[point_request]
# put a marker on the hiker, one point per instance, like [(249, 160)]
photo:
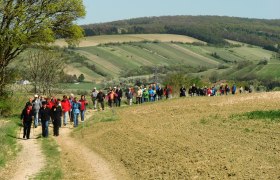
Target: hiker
[(26, 116), (56, 114), (182, 91), (29, 102), (139, 96), (116, 99), (100, 99), (111, 97), (146, 95), (159, 93), (167, 91), (71, 99), (66, 107), (36, 105), (76, 111), (83, 102), (119, 97), (94, 97), (194, 90), (151, 94), (45, 116), (129, 96), (233, 89)]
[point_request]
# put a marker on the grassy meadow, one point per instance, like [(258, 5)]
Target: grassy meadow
[(191, 138)]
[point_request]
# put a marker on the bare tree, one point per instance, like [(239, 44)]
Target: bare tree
[(44, 69)]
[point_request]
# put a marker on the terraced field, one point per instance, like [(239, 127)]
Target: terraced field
[(96, 40)]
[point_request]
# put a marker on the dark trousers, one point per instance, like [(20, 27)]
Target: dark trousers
[(26, 129), (56, 124), (102, 104), (110, 102), (138, 100), (45, 128), (119, 102)]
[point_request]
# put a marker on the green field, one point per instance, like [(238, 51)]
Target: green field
[(115, 58)]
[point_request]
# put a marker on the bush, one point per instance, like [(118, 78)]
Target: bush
[(5, 108)]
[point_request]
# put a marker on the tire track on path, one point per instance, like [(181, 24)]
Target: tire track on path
[(29, 161), (80, 162)]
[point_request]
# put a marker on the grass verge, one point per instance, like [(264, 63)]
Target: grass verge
[(8, 142), (53, 169)]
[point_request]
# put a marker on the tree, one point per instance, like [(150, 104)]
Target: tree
[(81, 78), (24, 23), (43, 69)]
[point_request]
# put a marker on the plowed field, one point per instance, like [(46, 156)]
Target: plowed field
[(190, 138)]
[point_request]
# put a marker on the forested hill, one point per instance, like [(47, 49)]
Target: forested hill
[(211, 29)]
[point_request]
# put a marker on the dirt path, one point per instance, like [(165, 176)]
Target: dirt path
[(79, 162), (30, 159)]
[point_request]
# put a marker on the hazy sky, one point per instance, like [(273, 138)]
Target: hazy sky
[(110, 10)]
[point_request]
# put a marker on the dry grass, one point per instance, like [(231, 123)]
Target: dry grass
[(191, 138), (96, 40)]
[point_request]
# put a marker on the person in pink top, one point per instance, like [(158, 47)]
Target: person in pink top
[(83, 103), (66, 106)]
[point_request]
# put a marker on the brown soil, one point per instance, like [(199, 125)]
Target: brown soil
[(192, 138)]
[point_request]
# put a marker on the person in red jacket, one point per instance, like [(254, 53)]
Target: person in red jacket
[(66, 106), (83, 103), (50, 104)]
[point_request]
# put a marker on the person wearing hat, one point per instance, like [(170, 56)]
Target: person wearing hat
[(45, 116), (56, 114), (27, 117), (36, 105)]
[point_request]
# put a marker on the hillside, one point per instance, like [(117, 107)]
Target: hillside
[(211, 29), (132, 57)]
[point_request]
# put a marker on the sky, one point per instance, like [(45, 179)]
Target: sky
[(99, 11)]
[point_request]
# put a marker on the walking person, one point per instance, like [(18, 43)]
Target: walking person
[(129, 96), (100, 99), (36, 105), (146, 95), (183, 91), (66, 107), (151, 94), (111, 98), (76, 111), (160, 93), (120, 94), (139, 96), (56, 114), (27, 116), (71, 99), (45, 116), (94, 97), (83, 102)]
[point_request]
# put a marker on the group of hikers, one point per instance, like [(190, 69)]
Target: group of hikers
[(47, 110), (143, 94), (213, 91), (44, 111)]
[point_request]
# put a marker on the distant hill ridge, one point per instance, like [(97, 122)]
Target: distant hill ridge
[(211, 29)]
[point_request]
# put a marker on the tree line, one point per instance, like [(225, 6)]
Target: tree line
[(211, 29)]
